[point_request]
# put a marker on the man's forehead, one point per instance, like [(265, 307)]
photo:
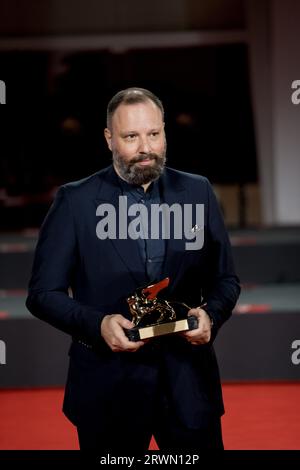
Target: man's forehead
[(132, 111)]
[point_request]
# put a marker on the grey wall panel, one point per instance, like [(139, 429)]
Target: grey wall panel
[(36, 354), (259, 347)]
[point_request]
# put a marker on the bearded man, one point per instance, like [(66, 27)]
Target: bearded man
[(119, 392)]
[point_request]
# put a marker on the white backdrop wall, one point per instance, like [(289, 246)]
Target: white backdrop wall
[(274, 39), (286, 115)]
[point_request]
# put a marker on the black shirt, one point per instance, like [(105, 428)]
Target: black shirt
[(152, 250)]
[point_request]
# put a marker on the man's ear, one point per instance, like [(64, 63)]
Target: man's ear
[(108, 136)]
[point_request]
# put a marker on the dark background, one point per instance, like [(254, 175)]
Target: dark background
[(52, 130)]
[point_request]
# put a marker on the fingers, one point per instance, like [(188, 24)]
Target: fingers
[(202, 334), (122, 321), (112, 331)]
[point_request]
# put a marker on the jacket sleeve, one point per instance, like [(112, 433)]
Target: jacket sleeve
[(222, 287), (54, 263)]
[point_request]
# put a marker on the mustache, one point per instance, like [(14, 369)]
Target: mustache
[(144, 156)]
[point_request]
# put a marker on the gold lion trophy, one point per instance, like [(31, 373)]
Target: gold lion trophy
[(153, 316)]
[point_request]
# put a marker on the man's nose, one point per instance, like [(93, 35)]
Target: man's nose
[(144, 145)]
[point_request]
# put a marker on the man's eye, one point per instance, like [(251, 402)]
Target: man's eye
[(130, 137), (154, 134)]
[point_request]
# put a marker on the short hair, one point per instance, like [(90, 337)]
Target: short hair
[(129, 96)]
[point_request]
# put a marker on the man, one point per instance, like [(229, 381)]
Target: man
[(120, 392)]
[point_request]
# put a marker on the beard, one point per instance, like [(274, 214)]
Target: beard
[(138, 175)]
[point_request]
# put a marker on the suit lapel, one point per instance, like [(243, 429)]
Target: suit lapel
[(127, 249), (173, 193)]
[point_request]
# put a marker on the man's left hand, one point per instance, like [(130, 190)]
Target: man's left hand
[(202, 334)]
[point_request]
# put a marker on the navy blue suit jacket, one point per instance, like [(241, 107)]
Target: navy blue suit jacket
[(101, 274)]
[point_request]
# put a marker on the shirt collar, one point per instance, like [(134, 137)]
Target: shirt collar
[(126, 187)]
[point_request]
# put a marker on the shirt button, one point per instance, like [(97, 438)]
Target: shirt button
[(149, 260)]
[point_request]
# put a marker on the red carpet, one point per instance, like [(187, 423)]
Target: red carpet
[(259, 416)]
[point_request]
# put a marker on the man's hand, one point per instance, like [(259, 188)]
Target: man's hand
[(113, 333), (203, 333)]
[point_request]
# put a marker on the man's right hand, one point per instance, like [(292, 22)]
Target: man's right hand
[(113, 334)]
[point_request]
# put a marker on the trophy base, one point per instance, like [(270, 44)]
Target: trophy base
[(137, 334)]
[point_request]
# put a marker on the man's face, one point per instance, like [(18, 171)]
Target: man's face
[(137, 142)]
